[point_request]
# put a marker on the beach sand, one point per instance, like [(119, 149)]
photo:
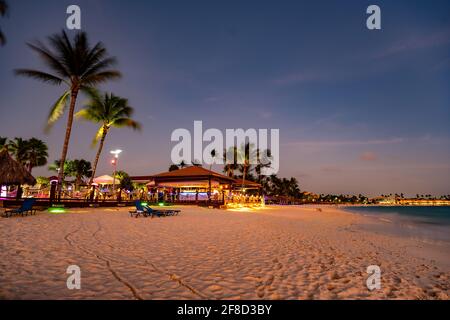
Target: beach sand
[(272, 253)]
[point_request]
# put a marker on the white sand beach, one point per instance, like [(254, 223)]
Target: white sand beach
[(272, 253)]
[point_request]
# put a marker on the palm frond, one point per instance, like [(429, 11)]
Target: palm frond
[(125, 122), (2, 38), (98, 136), (39, 75), (50, 59), (57, 110), (3, 8), (100, 77)]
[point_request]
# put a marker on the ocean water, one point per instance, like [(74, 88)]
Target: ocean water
[(428, 224)]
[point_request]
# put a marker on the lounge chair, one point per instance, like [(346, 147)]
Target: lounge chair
[(26, 208), (159, 213), (140, 210), (147, 211)]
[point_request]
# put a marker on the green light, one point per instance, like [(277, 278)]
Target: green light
[(144, 203), (161, 204), (56, 210)]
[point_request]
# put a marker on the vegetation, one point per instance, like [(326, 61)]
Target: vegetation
[(30, 153), (2, 142), (78, 169), (4, 9), (77, 66), (109, 111), (246, 160), (44, 182)]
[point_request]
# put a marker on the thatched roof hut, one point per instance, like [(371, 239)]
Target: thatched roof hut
[(12, 172)]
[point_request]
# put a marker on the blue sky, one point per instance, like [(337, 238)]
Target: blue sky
[(359, 111)]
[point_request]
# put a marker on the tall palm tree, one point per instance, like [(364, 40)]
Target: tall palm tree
[(109, 111), (3, 12), (36, 153), (78, 66)]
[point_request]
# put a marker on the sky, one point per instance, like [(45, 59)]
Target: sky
[(359, 110)]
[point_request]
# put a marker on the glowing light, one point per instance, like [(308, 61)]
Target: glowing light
[(144, 203), (56, 210), (116, 152), (161, 204)]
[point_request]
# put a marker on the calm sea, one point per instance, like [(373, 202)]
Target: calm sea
[(425, 223)]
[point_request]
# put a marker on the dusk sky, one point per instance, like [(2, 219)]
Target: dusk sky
[(359, 111)]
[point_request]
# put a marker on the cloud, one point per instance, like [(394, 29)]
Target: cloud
[(416, 42), (368, 156), (301, 77), (330, 169), (338, 143), (265, 114)]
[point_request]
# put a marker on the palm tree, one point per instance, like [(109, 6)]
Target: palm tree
[(230, 166), (109, 111), (56, 165), (79, 168), (78, 66), (36, 153), (30, 153), (213, 156), (2, 142), (3, 12), (182, 164), (18, 148)]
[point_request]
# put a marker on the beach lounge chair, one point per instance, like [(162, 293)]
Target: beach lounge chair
[(145, 211), (25, 209), (140, 210)]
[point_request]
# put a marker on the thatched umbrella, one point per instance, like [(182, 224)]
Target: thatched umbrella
[(12, 172)]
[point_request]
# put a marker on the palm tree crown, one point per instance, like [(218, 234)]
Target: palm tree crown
[(30, 153), (109, 111)]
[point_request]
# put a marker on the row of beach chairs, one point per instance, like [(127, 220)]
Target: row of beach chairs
[(146, 211), (25, 209)]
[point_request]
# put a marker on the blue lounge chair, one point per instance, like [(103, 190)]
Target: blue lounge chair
[(25, 208), (147, 211), (144, 211), (140, 210)]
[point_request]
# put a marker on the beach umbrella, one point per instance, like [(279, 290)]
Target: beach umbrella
[(106, 180), (12, 172)]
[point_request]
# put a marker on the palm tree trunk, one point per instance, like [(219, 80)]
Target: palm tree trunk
[(97, 157), (73, 100)]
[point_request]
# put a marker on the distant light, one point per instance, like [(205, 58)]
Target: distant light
[(144, 203), (161, 204)]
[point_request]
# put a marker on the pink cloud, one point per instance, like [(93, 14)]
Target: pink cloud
[(368, 156)]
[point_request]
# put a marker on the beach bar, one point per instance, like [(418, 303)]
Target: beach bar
[(201, 186)]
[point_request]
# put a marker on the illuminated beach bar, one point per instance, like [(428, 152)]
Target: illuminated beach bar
[(197, 185)]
